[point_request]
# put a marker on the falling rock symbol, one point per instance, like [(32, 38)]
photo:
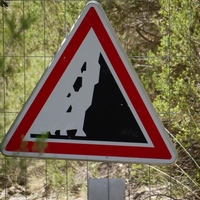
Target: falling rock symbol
[(57, 133), (77, 84), (69, 109), (83, 67), (71, 133), (109, 117)]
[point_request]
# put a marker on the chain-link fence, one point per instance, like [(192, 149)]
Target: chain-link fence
[(161, 39)]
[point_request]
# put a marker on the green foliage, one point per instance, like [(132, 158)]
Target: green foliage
[(174, 78), (40, 143), (161, 40), (175, 70)]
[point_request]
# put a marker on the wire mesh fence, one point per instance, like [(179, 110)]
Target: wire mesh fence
[(161, 39)]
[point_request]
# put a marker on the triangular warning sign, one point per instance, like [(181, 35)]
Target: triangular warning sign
[(90, 104)]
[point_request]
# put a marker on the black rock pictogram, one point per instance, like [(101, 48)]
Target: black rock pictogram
[(109, 117), (77, 84), (71, 133), (69, 109), (83, 68)]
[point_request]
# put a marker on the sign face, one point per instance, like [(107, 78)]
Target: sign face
[(90, 104)]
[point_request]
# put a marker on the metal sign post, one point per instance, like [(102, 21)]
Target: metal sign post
[(106, 189)]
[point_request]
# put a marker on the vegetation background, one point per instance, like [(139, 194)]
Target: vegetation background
[(161, 38)]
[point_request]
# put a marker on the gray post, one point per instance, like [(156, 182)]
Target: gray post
[(106, 189)]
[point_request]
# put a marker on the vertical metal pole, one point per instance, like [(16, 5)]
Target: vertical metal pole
[(106, 189)]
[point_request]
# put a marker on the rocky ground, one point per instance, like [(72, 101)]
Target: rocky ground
[(35, 187)]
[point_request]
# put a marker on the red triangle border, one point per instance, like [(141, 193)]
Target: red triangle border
[(160, 149)]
